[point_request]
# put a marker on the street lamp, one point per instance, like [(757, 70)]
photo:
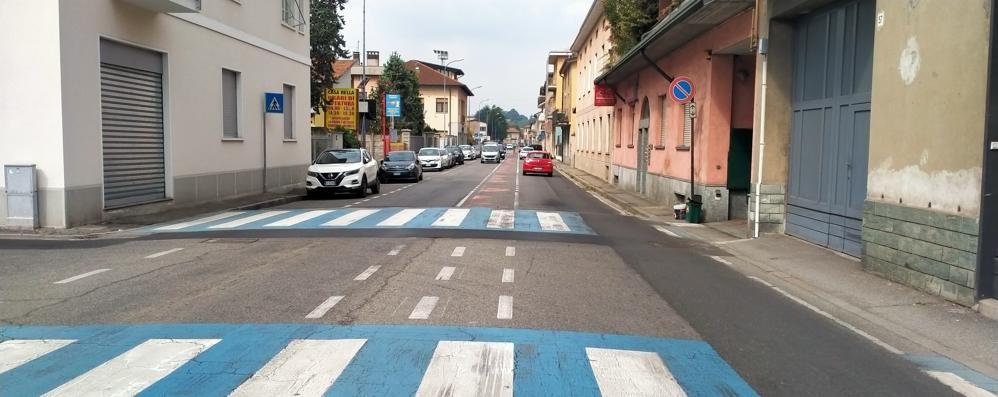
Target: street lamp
[(467, 116)]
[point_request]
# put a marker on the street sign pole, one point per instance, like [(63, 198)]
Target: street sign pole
[(272, 103)]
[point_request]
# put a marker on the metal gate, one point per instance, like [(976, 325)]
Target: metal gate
[(829, 142), (644, 154), (132, 125)]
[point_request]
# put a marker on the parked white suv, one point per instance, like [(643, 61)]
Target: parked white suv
[(343, 170)]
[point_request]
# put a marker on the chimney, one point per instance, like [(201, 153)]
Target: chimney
[(373, 58)]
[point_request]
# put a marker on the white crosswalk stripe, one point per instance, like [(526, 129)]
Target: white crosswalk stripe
[(247, 220), (136, 369), (452, 217), (303, 368), (402, 217), (501, 219), (13, 353), (469, 369), (551, 221), (350, 218), (632, 373), (294, 220), (201, 221)]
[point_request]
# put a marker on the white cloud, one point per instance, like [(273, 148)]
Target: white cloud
[(504, 43)]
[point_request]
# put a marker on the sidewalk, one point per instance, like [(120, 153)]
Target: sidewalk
[(921, 326), (130, 218)]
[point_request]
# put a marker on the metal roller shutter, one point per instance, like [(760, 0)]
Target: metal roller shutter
[(132, 120)]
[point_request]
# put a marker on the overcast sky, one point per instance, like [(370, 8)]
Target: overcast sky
[(504, 43)]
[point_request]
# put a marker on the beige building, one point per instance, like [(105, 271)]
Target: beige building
[(591, 128), (445, 99), (139, 105)]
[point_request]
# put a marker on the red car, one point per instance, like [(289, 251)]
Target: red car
[(538, 162)]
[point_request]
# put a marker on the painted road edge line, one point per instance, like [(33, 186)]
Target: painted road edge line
[(507, 275), (505, 310), (829, 316), (510, 251), (458, 251), (167, 252), (395, 251), (467, 196), (424, 307), (721, 260), (958, 384), (77, 277), (367, 273), (666, 231), (445, 273)]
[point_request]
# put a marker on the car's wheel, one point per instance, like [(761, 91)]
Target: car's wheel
[(524, 173), (483, 161), (310, 194), (376, 188), (550, 174), (363, 188)]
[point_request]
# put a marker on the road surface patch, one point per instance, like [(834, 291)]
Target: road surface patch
[(332, 360)]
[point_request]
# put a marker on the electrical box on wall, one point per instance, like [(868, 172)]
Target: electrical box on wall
[(22, 196)]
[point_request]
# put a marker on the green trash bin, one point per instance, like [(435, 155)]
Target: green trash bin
[(693, 209)]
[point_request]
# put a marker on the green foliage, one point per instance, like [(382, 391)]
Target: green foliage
[(326, 41), (516, 119), (495, 118), (629, 19), (396, 79)]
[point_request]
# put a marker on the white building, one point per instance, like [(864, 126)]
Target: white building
[(152, 103)]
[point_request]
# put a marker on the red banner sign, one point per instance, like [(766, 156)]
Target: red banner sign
[(604, 96)]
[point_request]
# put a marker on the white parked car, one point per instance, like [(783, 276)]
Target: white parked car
[(467, 151), (433, 158), (343, 170)]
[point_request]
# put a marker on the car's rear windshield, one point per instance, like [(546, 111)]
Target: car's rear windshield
[(491, 148), (537, 155), (338, 157), (429, 152), (400, 156), (465, 147)]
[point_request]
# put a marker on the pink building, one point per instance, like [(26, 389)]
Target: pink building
[(654, 138)]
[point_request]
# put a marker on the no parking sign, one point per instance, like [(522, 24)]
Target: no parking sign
[(681, 90)]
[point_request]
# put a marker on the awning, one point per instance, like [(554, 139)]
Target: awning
[(691, 19)]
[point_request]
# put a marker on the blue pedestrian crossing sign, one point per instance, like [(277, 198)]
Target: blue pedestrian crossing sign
[(273, 102), (681, 90), (393, 105)]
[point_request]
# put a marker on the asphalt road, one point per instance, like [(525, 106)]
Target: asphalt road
[(625, 278)]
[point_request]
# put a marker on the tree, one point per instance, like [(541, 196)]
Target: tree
[(326, 41), (629, 19), (396, 79), (516, 119), (495, 119)]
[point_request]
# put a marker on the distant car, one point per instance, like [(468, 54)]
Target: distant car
[(538, 162), (401, 165), (343, 170), (509, 146), (529, 148), (491, 153), (434, 158), (457, 153), (469, 153)]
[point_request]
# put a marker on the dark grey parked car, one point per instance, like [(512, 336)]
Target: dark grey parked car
[(401, 165)]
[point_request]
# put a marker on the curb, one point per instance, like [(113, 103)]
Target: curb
[(95, 235)]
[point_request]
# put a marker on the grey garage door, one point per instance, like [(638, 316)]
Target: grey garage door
[(829, 143), (132, 125)]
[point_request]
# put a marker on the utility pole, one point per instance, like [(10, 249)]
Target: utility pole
[(363, 73)]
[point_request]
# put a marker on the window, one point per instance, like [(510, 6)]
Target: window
[(441, 105), (687, 125), (230, 103), (289, 111), (291, 15), (663, 112)]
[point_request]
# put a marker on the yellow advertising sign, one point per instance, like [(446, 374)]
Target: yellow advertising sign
[(341, 108)]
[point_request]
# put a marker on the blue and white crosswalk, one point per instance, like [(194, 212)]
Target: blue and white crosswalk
[(329, 360), (386, 218)]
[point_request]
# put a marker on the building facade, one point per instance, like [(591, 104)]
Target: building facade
[(553, 111), (445, 99), (591, 147), (660, 146), (137, 105)]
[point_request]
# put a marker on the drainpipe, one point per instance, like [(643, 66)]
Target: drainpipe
[(764, 53)]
